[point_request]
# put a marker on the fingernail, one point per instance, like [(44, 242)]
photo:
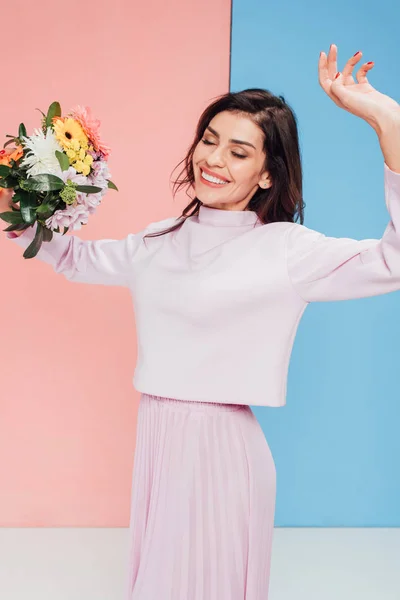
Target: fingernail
[(337, 74), (371, 62), (358, 52)]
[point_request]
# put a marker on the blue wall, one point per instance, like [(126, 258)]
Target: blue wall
[(336, 444)]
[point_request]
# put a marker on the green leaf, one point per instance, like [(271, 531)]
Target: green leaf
[(112, 185), (65, 230), (16, 227), (36, 243), (28, 205), (63, 160), (9, 142), (41, 112), (21, 131), (89, 189), (54, 111), (44, 211), (12, 217), (4, 170), (44, 183), (47, 234), (10, 182)]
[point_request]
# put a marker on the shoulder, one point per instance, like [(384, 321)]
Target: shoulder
[(293, 235), (162, 224), (299, 236)]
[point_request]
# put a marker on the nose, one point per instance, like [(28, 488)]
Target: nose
[(215, 158)]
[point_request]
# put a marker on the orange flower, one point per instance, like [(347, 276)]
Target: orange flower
[(8, 154)]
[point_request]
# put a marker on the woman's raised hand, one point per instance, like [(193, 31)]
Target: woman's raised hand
[(357, 97)]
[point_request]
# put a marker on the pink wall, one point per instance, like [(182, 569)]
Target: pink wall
[(68, 351)]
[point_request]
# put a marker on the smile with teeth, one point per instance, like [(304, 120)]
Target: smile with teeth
[(212, 179)]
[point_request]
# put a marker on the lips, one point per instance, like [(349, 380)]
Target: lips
[(214, 174)]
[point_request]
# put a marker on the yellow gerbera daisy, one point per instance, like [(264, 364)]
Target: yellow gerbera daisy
[(69, 133)]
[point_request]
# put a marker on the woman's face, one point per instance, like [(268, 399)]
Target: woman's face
[(232, 150)]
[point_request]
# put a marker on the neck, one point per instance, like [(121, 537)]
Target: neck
[(229, 218)]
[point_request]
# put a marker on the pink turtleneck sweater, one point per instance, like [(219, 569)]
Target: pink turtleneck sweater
[(218, 302)]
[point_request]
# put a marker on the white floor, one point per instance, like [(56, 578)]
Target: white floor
[(307, 564)]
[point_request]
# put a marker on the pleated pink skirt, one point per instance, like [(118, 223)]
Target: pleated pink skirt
[(202, 503)]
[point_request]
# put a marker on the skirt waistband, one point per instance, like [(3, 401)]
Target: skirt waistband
[(195, 404)]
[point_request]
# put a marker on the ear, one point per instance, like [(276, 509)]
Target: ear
[(265, 181)]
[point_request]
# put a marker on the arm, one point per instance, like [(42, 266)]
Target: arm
[(106, 261), (325, 268)]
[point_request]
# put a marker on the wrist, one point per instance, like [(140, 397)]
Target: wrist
[(388, 132), (385, 123)]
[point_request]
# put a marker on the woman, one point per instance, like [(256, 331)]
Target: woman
[(218, 296)]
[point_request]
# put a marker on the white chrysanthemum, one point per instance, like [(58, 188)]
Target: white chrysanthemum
[(41, 157)]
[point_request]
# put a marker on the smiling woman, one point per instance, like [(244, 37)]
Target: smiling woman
[(248, 139), (218, 298), (244, 171)]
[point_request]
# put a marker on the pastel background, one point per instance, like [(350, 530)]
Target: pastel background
[(67, 352), (336, 443)]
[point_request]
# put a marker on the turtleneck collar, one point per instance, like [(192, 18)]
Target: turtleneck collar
[(228, 218)]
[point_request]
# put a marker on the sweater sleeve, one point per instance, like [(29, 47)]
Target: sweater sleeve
[(105, 261), (323, 268)]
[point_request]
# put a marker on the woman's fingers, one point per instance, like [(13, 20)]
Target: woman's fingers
[(349, 66), (361, 74), (332, 61), (327, 69)]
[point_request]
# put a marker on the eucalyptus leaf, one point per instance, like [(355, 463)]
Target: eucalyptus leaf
[(44, 183), (89, 189), (41, 112), (4, 170), (28, 205), (63, 160), (21, 131), (47, 234), (12, 217), (54, 111), (112, 185), (36, 243), (44, 211), (17, 227), (9, 182), (17, 196), (9, 142)]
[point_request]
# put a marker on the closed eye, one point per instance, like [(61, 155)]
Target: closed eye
[(208, 143)]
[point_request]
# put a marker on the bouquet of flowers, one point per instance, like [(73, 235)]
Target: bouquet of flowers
[(59, 174)]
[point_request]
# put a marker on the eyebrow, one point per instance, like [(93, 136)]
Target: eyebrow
[(231, 140)]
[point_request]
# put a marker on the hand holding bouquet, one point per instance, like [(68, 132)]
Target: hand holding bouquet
[(59, 174)]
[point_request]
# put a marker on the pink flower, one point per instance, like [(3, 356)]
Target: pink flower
[(90, 201), (71, 216), (90, 126)]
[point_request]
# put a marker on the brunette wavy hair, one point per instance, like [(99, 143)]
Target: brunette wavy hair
[(283, 201)]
